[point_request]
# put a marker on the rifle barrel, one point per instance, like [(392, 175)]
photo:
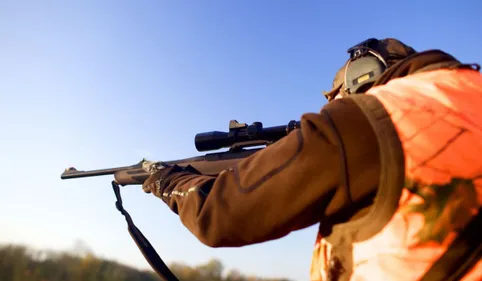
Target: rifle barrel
[(72, 173)]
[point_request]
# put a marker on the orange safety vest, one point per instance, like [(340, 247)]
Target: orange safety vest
[(436, 118)]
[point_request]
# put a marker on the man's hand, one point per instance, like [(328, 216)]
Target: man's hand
[(153, 183)]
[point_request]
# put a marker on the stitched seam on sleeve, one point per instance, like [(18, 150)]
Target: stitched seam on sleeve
[(182, 193)]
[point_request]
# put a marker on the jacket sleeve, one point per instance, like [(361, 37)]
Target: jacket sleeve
[(292, 184)]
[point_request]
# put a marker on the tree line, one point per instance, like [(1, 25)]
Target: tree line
[(21, 263)]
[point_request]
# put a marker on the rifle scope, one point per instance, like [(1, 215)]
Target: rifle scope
[(243, 135)]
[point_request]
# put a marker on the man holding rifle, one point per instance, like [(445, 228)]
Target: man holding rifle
[(390, 168)]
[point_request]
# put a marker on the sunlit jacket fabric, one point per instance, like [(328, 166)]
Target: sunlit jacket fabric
[(429, 128)]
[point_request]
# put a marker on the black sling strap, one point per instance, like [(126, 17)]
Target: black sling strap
[(461, 256), (143, 244)]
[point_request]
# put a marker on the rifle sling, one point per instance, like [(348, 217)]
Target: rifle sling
[(143, 244), (464, 252)]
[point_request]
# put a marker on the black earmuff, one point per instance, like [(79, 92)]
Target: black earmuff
[(366, 63)]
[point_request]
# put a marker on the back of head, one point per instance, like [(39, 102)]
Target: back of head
[(368, 60)]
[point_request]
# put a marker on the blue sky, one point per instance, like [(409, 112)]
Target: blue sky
[(98, 84)]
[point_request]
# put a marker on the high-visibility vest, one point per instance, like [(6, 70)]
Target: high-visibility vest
[(435, 122)]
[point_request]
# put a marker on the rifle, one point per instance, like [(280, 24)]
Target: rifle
[(239, 137)]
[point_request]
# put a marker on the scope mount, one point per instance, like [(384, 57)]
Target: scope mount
[(254, 132), (251, 130)]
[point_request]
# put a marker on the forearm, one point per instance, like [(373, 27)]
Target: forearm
[(287, 186)]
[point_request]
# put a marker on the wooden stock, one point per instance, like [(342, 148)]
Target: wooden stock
[(131, 176), (136, 176)]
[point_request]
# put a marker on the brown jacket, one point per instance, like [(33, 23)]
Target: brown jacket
[(325, 172)]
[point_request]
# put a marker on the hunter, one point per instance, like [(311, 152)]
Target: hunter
[(390, 169)]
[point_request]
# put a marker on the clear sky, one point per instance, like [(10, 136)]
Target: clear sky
[(97, 84)]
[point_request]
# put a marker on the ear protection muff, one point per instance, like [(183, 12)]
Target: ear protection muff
[(367, 62)]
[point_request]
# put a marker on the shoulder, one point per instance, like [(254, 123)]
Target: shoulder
[(434, 81)]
